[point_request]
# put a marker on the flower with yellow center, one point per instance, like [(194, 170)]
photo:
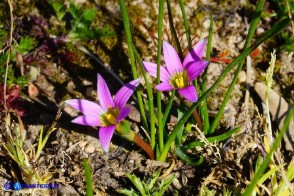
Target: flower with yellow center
[(109, 118), (108, 113), (178, 75), (179, 80)]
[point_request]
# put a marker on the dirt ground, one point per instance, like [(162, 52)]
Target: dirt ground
[(67, 69)]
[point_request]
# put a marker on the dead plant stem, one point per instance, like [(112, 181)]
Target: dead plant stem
[(248, 74), (7, 64), (8, 51)]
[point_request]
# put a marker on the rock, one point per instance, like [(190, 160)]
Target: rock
[(67, 190), (279, 109), (90, 91), (241, 44), (206, 23), (82, 144), (176, 183), (71, 111), (33, 90), (34, 73), (90, 148), (242, 77), (134, 114), (259, 31)]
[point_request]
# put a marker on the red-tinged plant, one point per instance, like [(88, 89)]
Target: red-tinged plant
[(12, 99)]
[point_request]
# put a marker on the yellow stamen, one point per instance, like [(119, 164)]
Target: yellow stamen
[(110, 118), (180, 82)]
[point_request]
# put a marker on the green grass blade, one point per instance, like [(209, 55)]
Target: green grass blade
[(158, 94), (186, 24), (203, 107), (172, 28), (153, 180), (127, 28), (211, 139), (179, 137), (267, 159), (138, 183), (149, 95), (253, 26), (164, 185), (267, 175), (187, 158), (168, 107), (289, 175), (89, 184)]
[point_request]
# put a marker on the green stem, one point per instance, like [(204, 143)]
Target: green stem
[(168, 107), (132, 58), (188, 159), (172, 28), (203, 108), (158, 94), (186, 24), (270, 33), (150, 99), (88, 174), (253, 26)]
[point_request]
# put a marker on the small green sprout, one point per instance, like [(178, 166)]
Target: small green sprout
[(147, 189), (59, 9), (26, 157)]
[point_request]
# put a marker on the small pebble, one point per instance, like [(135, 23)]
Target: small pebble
[(90, 91), (242, 77), (66, 190), (34, 73), (134, 114), (71, 85), (90, 148), (83, 144), (33, 90), (70, 110), (184, 179), (240, 45), (87, 82), (259, 31), (177, 183), (80, 1), (84, 155), (206, 23)]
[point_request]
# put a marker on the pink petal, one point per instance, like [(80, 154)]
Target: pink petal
[(196, 68), (104, 95), (87, 120), (124, 112), (105, 135), (189, 93), (85, 106), (171, 58), (123, 95), (151, 68), (164, 87), (195, 54)]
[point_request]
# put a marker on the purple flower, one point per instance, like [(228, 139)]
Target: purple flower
[(178, 75), (108, 113)]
